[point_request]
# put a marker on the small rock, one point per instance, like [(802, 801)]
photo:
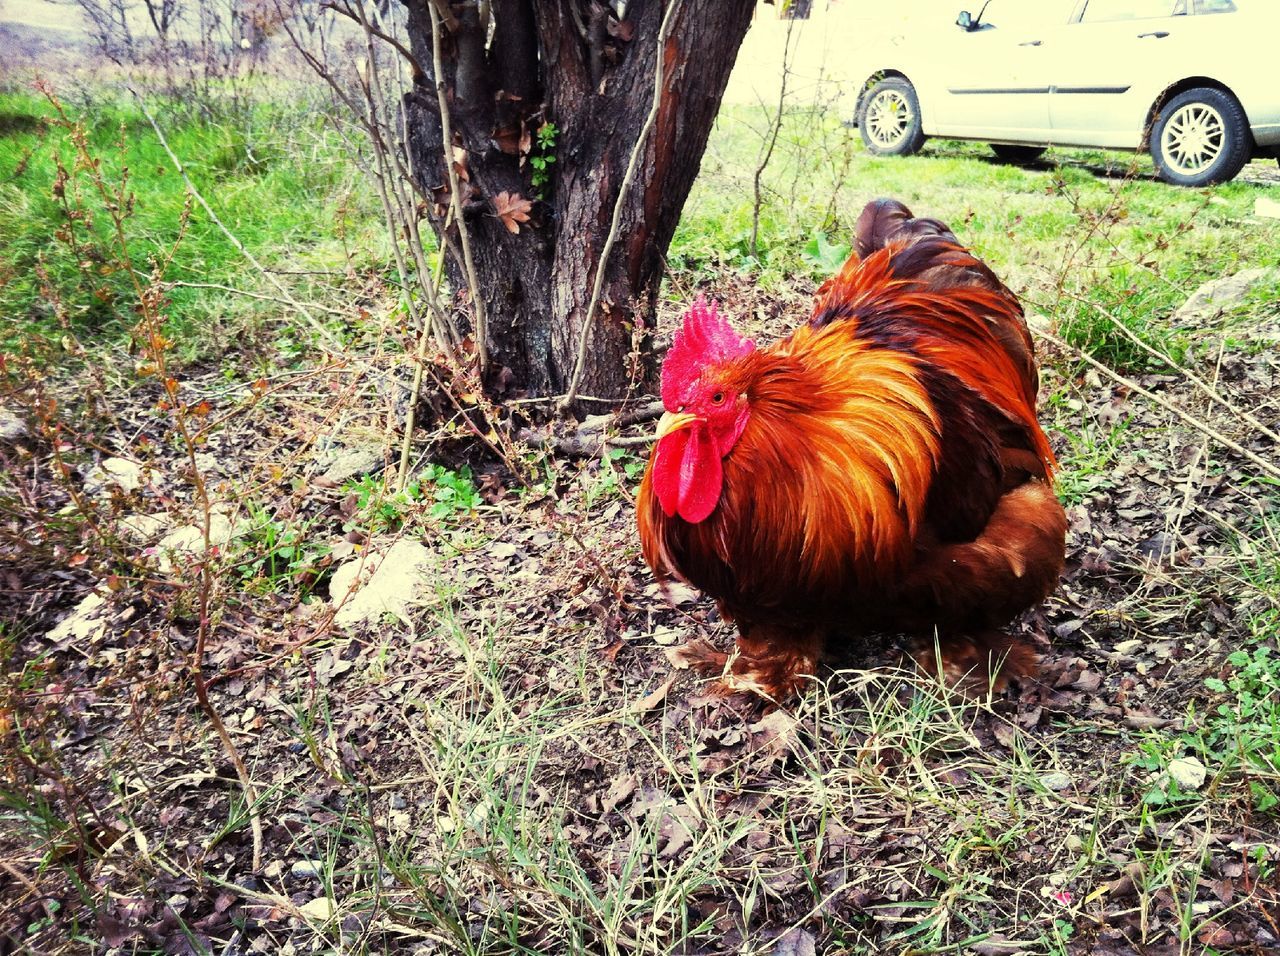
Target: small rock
[(307, 870), (86, 622), (142, 528), (1188, 773), (273, 870), (398, 802), (206, 464), (393, 582), (343, 464), (322, 907), (183, 544), (665, 636), (1266, 207), (1220, 294), (111, 473), (1056, 781), (12, 428)]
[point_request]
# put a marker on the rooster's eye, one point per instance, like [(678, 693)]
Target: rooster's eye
[(717, 398)]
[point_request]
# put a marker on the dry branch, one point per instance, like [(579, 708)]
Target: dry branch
[(1199, 425)]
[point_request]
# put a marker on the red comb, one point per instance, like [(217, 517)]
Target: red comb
[(704, 339)]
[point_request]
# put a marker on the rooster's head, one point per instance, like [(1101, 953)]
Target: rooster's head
[(706, 411)]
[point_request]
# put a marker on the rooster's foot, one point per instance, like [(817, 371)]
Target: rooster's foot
[(766, 670), (974, 665)]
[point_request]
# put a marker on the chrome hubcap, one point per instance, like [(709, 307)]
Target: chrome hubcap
[(1193, 138), (889, 117)]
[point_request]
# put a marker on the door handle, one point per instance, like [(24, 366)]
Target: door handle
[(1032, 43), (1157, 35)]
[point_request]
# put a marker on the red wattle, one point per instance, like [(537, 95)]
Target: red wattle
[(687, 474)]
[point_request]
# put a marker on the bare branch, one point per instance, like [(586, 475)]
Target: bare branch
[(199, 197), (1199, 425), (455, 198), (345, 10)]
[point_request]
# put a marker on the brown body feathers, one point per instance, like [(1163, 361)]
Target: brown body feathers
[(891, 474)]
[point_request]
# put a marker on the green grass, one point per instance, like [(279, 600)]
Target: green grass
[(501, 735), (281, 183), (1074, 237)]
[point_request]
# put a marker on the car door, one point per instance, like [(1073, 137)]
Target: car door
[(993, 80), (1109, 65)]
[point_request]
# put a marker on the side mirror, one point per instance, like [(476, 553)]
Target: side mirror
[(965, 20)]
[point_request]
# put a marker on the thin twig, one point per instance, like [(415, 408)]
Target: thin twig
[(1204, 386), (584, 334), (410, 415), (775, 129), (1200, 426), (455, 197), (199, 197), (387, 38), (251, 295), (115, 202)]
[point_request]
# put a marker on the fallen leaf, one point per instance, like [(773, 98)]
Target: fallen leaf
[(665, 636), (621, 790), (508, 138), (512, 208), (115, 933), (656, 697), (796, 942), (1056, 780), (1006, 735), (777, 733)]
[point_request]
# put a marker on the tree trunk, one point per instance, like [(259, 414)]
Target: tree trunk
[(573, 64)]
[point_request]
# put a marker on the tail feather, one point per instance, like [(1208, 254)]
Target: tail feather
[(915, 286), (885, 221)]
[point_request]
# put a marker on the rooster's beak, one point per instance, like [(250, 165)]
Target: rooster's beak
[(673, 422)]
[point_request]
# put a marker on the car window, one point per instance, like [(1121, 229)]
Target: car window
[(1021, 14), (1103, 11), (1215, 6)]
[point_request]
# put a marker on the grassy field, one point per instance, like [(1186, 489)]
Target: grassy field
[(512, 764)]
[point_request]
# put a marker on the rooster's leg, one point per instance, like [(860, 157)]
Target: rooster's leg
[(967, 590), (773, 662), (975, 663)]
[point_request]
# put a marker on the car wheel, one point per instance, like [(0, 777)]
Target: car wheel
[(889, 118), (1200, 137), (1017, 154)]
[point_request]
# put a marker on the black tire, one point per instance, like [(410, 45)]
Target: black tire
[(1017, 154), (881, 133), (1214, 136)]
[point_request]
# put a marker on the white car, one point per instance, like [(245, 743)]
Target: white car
[(1195, 81)]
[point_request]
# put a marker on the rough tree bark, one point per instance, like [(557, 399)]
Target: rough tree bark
[(590, 72)]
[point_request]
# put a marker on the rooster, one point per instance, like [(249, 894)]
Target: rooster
[(880, 469)]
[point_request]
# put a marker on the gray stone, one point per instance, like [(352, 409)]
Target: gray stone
[(1219, 294), (88, 622), (12, 428), (372, 585), (307, 869), (142, 528), (187, 542), (1055, 780), (342, 464), (111, 473)]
